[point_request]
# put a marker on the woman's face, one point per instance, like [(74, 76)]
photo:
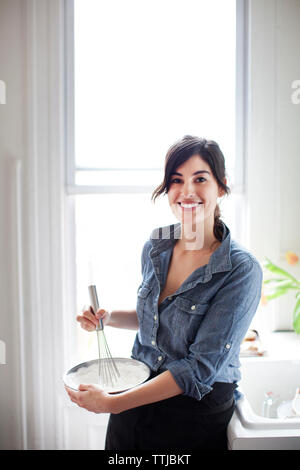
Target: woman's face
[(193, 191)]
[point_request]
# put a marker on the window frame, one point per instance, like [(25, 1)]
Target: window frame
[(241, 111)]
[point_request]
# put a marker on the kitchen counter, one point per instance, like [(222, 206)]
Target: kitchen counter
[(278, 345)]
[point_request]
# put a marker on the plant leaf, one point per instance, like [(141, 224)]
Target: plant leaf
[(275, 269), (273, 279), (296, 317), (279, 283), (279, 287), (277, 292)]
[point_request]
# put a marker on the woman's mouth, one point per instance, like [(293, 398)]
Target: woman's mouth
[(190, 205)]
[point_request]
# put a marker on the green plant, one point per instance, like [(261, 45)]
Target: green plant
[(282, 283)]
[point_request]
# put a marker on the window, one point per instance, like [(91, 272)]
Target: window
[(145, 73)]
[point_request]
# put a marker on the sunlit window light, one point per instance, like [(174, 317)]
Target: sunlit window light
[(146, 73)]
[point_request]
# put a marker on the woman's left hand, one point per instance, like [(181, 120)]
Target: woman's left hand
[(92, 398)]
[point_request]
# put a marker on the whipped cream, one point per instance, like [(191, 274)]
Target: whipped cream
[(131, 372)]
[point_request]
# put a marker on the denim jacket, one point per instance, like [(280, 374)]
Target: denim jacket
[(196, 332)]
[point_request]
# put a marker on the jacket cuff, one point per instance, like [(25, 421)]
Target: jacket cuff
[(186, 379)]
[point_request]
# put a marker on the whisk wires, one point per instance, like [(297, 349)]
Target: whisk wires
[(108, 371)]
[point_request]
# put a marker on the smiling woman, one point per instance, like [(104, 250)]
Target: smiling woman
[(193, 198), (193, 309), (124, 124)]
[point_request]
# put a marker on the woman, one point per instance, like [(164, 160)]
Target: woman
[(199, 293)]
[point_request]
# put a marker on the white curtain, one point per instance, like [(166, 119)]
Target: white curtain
[(39, 313)]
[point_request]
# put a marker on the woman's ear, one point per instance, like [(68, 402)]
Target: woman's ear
[(221, 190)]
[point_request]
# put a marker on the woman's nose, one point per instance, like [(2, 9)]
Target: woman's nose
[(188, 189)]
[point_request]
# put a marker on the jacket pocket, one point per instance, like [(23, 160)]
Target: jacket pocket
[(189, 306), (188, 317)]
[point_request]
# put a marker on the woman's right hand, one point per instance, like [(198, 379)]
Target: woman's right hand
[(88, 321)]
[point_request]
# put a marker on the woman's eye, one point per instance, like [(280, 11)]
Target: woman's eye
[(200, 179)]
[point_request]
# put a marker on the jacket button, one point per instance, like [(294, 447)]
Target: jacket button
[(228, 346), (170, 298), (159, 358), (153, 343), (193, 307)]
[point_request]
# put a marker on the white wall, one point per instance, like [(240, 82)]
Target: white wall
[(30, 195), (32, 281), (11, 148), (273, 160)]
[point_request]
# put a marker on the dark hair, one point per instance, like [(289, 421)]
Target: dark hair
[(210, 152)]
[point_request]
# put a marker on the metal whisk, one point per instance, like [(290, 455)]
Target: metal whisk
[(108, 371)]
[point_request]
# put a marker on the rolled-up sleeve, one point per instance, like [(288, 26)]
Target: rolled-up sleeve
[(221, 332)]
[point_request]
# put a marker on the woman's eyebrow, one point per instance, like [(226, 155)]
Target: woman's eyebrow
[(196, 172)]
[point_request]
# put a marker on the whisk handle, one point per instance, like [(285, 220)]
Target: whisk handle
[(95, 303)]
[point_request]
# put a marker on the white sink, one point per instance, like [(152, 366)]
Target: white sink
[(248, 429)]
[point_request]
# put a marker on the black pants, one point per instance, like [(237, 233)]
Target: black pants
[(178, 423)]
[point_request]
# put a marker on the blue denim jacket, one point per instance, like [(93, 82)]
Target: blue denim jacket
[(196, 332)]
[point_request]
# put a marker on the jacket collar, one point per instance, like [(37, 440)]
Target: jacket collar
[(163, 238)]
